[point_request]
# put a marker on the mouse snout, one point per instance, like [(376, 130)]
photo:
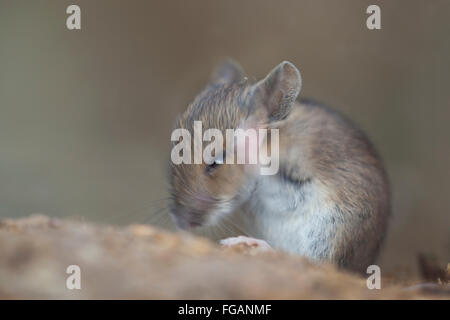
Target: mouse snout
[(193, 211), (181, 223), (186, 219)]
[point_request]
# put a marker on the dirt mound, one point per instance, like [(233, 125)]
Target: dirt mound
[(142, 261)]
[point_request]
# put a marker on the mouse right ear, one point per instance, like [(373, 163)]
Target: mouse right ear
[(227, 72), (279, 90)]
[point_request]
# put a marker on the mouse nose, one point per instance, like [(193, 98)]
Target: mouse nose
[(181, 224), (184, 220)]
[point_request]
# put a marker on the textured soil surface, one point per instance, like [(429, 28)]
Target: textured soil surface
[(145, 262)]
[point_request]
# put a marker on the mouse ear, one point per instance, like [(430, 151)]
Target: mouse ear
[(228, 72), (278, 91)]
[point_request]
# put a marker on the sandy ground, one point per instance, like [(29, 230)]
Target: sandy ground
[(141, 261)]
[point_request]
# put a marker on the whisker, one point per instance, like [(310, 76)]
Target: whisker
[(157, 216), (131, 215)]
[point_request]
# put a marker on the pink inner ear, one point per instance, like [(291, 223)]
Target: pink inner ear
[(279, 89)]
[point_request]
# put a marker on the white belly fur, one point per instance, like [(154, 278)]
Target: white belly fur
[(292, 219)]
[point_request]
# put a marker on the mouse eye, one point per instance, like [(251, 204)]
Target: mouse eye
[(210, 168)]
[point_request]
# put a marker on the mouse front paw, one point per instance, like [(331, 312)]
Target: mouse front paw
[(251, 242)]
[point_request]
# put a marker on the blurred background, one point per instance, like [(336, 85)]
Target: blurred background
[(86, 116)]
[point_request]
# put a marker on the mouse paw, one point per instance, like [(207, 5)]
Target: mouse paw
[(251, 242)]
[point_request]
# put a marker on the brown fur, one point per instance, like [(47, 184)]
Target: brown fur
[(194, 190), (340, 156), (317, 145)]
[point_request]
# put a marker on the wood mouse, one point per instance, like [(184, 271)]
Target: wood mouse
[(329, 201)]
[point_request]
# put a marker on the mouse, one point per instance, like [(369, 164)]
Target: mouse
[(329, 200)]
